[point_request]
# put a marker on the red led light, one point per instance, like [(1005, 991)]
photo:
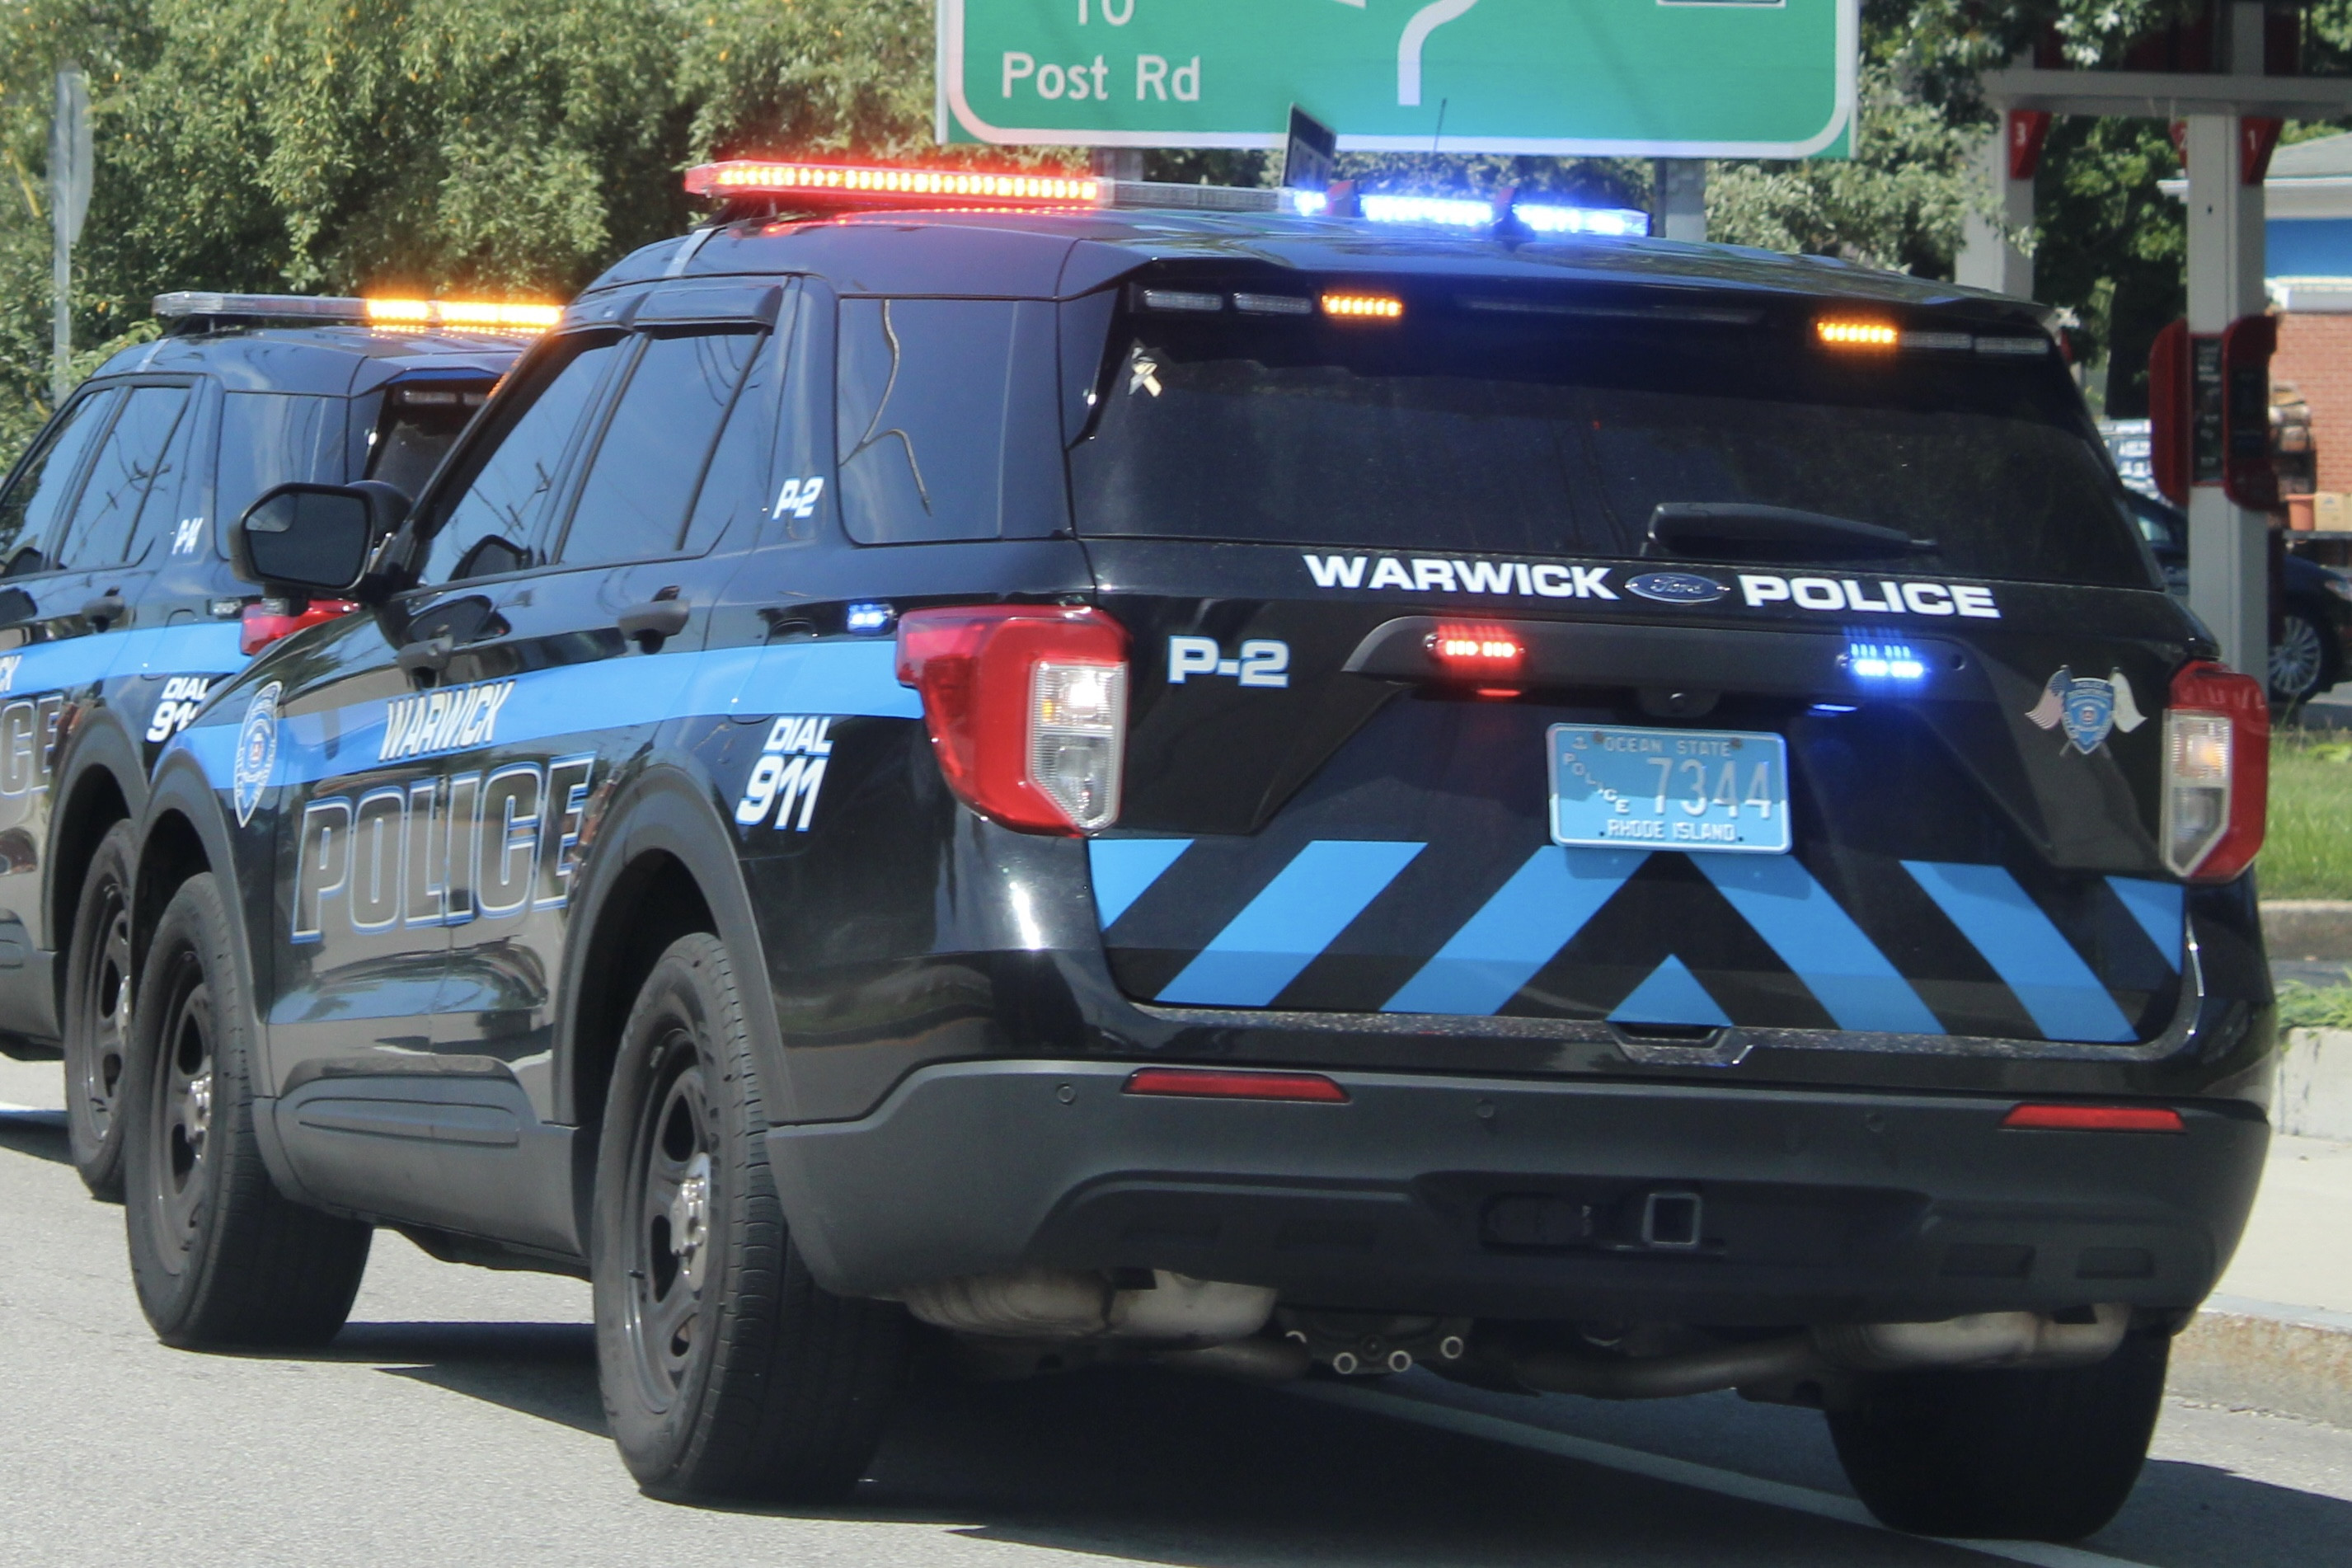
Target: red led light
[(1477, 650), (1210, 1083), (841, 185), (2096, 1118)]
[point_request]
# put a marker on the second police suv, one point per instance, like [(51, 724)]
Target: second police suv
[(1270, 793), (118, 612)]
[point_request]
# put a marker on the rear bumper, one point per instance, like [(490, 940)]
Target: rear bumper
[(1818, 1206)]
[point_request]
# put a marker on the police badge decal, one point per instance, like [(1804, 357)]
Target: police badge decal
[(2086, 708), (257, 751)]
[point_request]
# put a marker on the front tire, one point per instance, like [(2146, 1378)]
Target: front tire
[(2008, 1454), (97, 1015), (727, 1370), (218, 1255)]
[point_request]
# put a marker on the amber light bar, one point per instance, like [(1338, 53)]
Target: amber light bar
[(1364, 307), (1857, 334), (751, 177), (479, 314)]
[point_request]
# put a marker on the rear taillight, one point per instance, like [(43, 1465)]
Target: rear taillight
[(267, 620), (2217, 771), (1026, 706)]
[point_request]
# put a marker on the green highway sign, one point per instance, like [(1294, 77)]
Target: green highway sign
[(1669, 78)]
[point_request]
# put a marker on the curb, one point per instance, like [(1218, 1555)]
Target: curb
[(2259, 1355), (2309, 929)]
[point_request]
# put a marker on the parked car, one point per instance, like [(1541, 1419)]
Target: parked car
[(2313, 623), (1259, 793), (118, 612)]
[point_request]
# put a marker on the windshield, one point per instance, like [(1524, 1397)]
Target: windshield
[(1504, 427)]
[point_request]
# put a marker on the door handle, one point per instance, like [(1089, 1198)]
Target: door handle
[(425, 660), (103, 612), (654, 622)]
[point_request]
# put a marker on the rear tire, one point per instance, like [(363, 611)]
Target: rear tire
[(2018, 1455), (2301, 668), (728, 1372), (97, 1015), (218, 1255)]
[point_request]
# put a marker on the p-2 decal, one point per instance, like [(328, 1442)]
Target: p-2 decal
[(443, 850)]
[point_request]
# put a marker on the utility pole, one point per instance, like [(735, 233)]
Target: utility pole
[(1682, 198), (69, 181)]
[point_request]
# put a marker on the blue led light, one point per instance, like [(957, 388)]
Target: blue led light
[(1834, 708), (1883, 661), (1621, 222), (1469, 211), (869, 617)]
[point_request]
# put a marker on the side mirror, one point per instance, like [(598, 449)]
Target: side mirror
[(315, 539)]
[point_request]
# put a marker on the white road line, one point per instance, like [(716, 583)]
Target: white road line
[(1682, 1472)]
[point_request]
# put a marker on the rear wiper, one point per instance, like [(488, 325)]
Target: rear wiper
[(1737, 530)]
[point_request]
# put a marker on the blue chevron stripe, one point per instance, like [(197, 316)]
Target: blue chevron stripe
[(2032, 956), (1125, 869), (1534, 914), (1855, 983), (1302, 912), (2158, 907), (1672, 994)]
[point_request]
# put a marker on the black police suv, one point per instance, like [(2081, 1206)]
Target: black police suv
[(118, 612), (1268, 794)]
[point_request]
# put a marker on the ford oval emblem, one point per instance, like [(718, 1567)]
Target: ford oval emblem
[(1677, 588)]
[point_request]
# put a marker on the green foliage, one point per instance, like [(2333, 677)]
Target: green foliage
[(2307, 852), (2303, 1006)]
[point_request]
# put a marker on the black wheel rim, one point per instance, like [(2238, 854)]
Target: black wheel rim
[(670, 1206), (184, 1105), (2296, 658), (105, 1003)]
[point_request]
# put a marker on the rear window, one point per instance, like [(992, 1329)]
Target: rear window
[(1514, 426), (416, 429)]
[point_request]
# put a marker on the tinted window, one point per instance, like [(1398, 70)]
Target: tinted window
[(490, 525), (1531, 431), (129, 462), (735, 483), (634, 503), (921, 420), (419, 426), (34, 506), (272, 439)]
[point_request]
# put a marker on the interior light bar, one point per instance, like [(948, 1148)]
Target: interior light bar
[(752, 177), (1839, 334), (1364, 307), (1884, 661)]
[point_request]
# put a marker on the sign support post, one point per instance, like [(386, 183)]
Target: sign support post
[(70, 182), (1682, 198)]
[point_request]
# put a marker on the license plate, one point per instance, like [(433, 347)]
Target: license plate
[(1617, 786)]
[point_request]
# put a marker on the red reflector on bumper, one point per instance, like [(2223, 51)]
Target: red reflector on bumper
[(2096, 1118), (1202, 1083)]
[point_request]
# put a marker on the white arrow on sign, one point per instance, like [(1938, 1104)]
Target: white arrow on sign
[(1425, 21)]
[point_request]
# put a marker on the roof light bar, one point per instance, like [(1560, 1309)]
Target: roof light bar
[(461, 314), (1468, 212), (466, 313), (867, 186)]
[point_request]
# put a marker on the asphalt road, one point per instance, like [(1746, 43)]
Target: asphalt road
[(456, 1423)]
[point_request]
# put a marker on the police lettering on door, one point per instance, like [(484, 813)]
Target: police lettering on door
[(443, 850)]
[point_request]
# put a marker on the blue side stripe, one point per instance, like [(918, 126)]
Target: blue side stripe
[(1301, 912), (2158, 907), (2032, 958), (842, 678), (200, 647), (1818, 940), (1124, 868), (1515, 933), (1672, 994)]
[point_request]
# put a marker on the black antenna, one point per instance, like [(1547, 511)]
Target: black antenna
[(1440, 136)]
